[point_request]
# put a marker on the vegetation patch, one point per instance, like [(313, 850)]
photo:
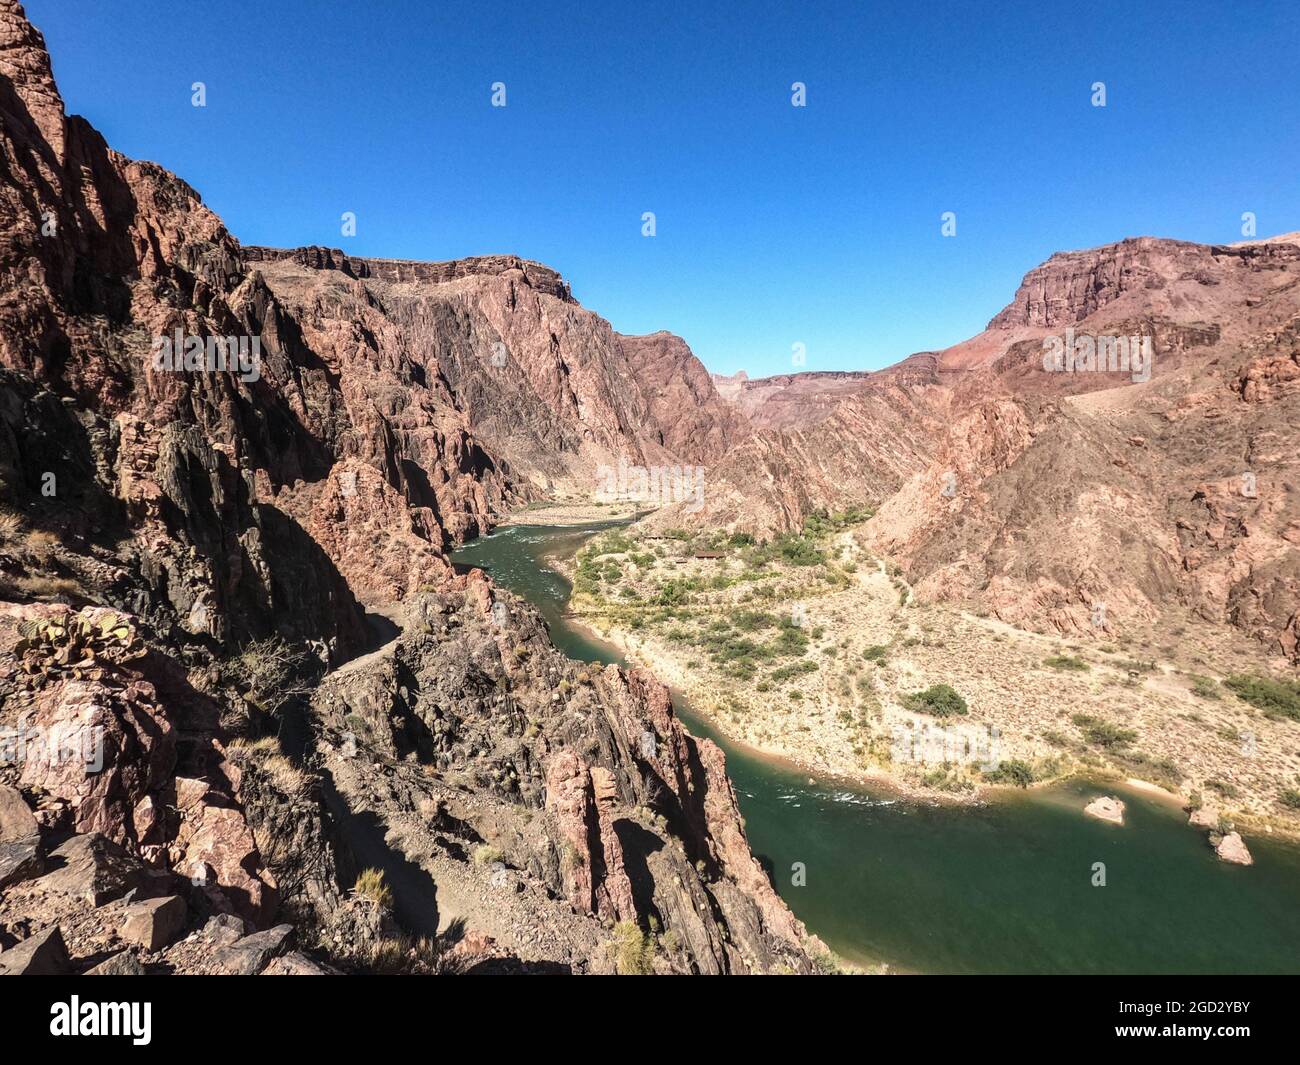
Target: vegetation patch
[(1013, 771), (1102, 733), (1068, 663), (1277, 698), (634, 950), (938, 700), (370, 885)]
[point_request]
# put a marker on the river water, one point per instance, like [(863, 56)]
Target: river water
[(1003, 887)]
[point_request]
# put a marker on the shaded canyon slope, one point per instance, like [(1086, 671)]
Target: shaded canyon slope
[(551, 390), (240, 582)]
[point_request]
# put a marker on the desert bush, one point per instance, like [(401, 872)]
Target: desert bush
[(1102, 733), (634, 950), (41, 587), (1013, 771), (11, 526), (795, 669), (938, 700), (370, 885), (269, 673), (1067, 662), (1276, 697)]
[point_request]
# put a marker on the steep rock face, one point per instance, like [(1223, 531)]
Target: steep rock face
[(1168, 276), (551, 390), (101, 258), (859, 454), (536, 275), (789, 401), (562, 796), (690, 419), (1176, 492), (212, 507), (238, 524)]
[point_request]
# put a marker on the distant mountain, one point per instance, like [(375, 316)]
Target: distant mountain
[(1035, 493), (545, 386)]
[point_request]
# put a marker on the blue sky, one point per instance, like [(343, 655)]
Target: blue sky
[(775, 225)]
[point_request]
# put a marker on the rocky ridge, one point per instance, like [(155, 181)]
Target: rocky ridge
[(246, 538)]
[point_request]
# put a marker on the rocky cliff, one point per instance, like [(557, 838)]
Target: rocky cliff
[(1034, 494), (548, 387), (225, 599)]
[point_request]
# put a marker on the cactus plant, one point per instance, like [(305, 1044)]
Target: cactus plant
[(80, 645)]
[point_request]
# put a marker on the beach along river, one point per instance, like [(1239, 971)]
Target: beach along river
[(1003, 887)]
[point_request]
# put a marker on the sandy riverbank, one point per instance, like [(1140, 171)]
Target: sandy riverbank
[(563, 514), (846, 718)]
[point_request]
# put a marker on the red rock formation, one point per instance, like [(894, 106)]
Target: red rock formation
[(1036, 494)]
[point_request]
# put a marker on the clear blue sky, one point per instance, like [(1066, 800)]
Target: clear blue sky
[(776, 224)]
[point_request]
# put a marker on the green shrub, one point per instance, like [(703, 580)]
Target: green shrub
[(1277, 698), (876, 652), (799, 550), (1067, 662), (794, 669), (792, 641), (673, 593), (1012, 772), (939, 700), (752, 620), (1102, 733), (1205, 687)]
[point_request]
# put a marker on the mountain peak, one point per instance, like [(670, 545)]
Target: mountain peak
[(35, 102)]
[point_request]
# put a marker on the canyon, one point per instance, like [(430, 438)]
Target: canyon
[(238, 592), (337, 751)]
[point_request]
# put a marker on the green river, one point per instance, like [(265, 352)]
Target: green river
[(1003, 887)]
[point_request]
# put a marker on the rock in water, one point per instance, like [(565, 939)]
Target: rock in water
[(1232, 848), (1106, 808)]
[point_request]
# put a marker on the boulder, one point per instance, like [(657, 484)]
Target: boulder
[(117, 744), (20, 860), (250, 955), (1232, 848), (16, 818), (94, 869), (154, 923), (214, 845), (123, 963), (223, 929), (1106, 808), (293, 964), (43, 954), (1205, 817)]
